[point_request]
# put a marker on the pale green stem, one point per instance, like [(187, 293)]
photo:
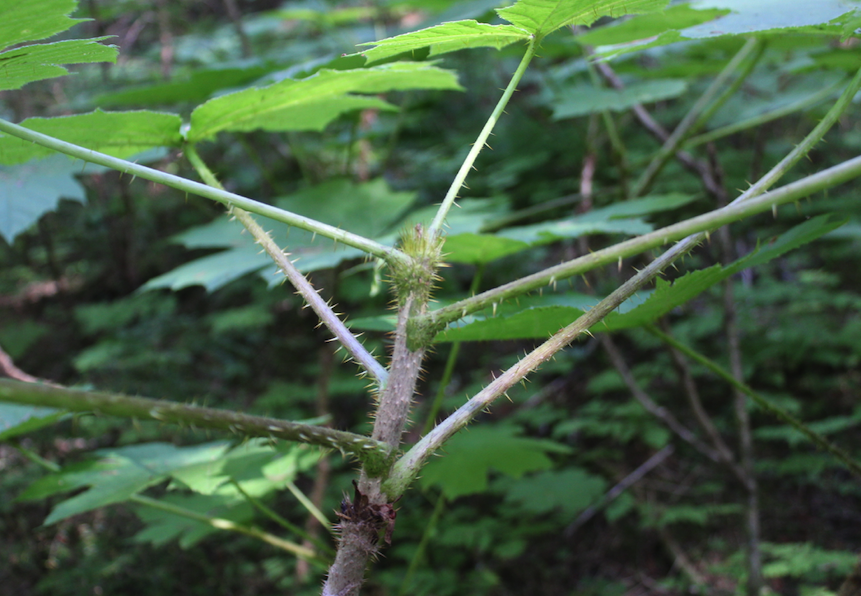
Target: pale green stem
[(114, 404), (449, 365), (284, 523), (751, 202), (802, 104), (438, 221), (307, 504), (406, 468), (221, 196), (225, 524), (763, 402), (303, 287), (692, 118)]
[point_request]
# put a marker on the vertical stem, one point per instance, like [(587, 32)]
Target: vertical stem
[(459, 179)]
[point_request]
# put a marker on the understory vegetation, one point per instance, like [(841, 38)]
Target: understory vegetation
[(590, 267)]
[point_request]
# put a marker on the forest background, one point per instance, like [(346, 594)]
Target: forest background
[(630, 464)]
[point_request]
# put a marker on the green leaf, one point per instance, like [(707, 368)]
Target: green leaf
[(16, 419), (198, 86), (31, 21), (541, 17), (581, 100), (743, 17), (126, 471), (480, 248), (541, 317), (447, 37), (120, 134), (28, 191), (312, 103), (645, 26), (616, 218), (571, 491), (470, 455), (369, 209), (42, 61)]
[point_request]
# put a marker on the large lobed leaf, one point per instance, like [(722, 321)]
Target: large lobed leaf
[(541, 17), (312, 103), (120, 134), (447, 37), (31, 21)]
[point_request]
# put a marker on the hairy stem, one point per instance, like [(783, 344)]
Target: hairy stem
[(202, 190), (124, 406), (303, 287), (457, 183), (754, 200)]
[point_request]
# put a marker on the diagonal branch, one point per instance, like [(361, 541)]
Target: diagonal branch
[(754, 200), (303, 287), (230, 199), (115, 404)]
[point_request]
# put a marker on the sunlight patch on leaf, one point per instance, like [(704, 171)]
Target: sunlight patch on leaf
[(541, 17), (447, 37)]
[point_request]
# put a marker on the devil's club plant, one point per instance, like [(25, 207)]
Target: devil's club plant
[(413, 262)]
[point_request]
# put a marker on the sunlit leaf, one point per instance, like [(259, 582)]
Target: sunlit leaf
[(448, 37), (541, 17), (120, 134), (311, 103), (33, 21)]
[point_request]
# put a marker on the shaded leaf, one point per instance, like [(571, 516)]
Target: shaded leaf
[(28, 191), (470, 455), (571, 491), (580, 100), (649, 25), (369, 209), (17, 419)]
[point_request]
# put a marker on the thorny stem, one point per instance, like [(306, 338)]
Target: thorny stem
[(300, 282), (115, 404), (387, 253), (436, 226), (754, 200), (406, 468), (436, 320), (773, 409)]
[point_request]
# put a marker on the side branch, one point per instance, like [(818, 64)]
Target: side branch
[(457, 183), (436, 320), (221, 196), (125, 406), (303, 287)]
